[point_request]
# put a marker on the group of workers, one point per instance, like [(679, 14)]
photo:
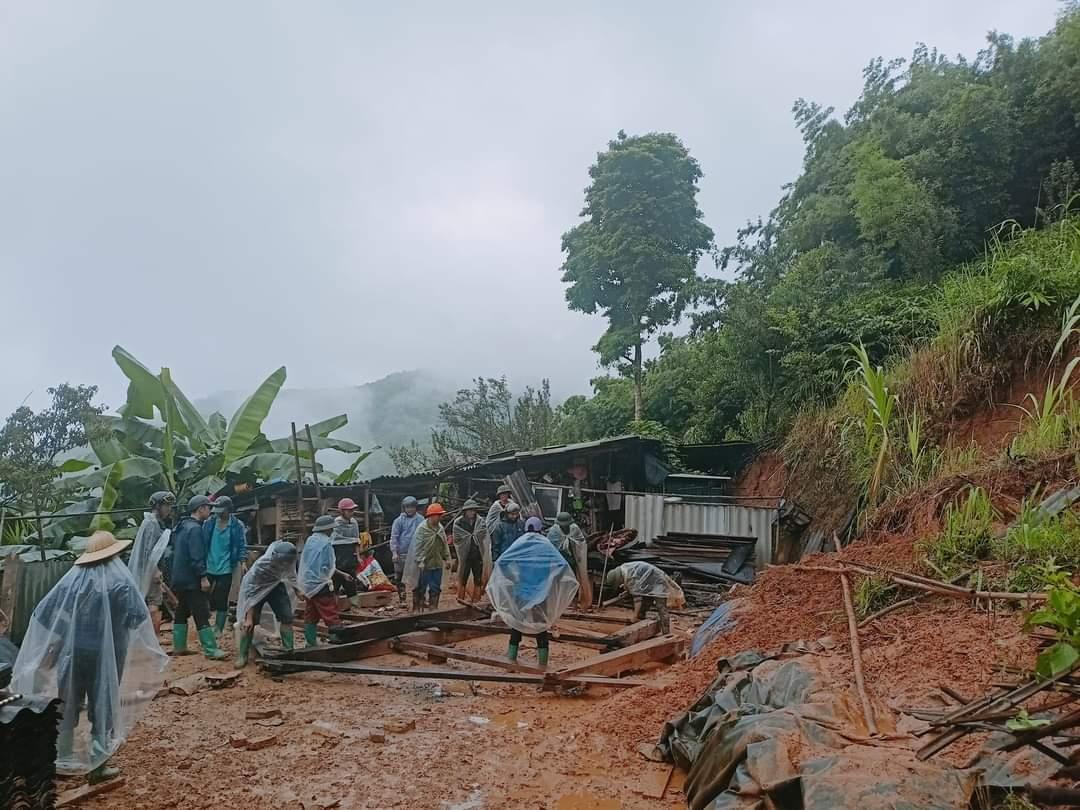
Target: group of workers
[(98, 629)]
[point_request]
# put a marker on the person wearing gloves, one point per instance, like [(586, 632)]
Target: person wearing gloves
[(498, 506), (509, 529), (570, 540), (226, 549), (474, 551), (91, 643), (148, 549), (267, 583), (317, 570), (401, 538), (190, 583), (648, 586), (427, 556), (531, 586)]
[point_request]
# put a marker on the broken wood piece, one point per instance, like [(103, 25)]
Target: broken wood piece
[(222, 680), (261, 742), (387, 628), (399, 726), (856, 657), (433, 652), (663, 648), (328, 730), (284, 667), (636, 633), (76, 795), (261, 714)]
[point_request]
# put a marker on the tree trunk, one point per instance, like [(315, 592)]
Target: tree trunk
[(638, 409)]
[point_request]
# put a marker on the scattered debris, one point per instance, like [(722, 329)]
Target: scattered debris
[(261, 714), (399, 726), (76, 795), (252, 744)]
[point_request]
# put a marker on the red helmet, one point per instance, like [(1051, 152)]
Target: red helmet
[(346, 503), (434, 509)]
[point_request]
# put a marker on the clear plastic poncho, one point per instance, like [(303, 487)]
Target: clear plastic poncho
[(276, 566), (643, 579), (464, 541), (317, 565), (531, 585), (91, 643), (147, 551)]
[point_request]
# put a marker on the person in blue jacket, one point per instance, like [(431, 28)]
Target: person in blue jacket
[(401, 536), (189, 581), (510, 528), (226, 550)]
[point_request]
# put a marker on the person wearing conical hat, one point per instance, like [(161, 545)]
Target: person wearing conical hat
[(474, 552), (91, 643)]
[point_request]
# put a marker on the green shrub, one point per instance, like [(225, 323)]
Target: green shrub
[(966, 537)]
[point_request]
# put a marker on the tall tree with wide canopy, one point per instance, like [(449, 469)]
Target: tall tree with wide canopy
[(634, 258)]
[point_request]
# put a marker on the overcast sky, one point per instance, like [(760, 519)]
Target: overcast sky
[(351, 189)]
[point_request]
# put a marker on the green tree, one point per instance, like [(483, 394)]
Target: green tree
[(634, 258)]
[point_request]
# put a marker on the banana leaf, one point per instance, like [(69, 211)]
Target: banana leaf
[(328, 426), (73, 465), (246, 423), (144, 388), (194, 426), (218, 428), (210, 484), (110, 492), (348, 474), (107, 448), (320, 442), (266, 466)]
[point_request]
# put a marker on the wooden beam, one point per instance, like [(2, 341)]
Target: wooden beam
[(595, 618), (629, 658), (357, 650), (595, 642), (388, 628), (433, 651), (285, 667), (76, 795), (637, 632)]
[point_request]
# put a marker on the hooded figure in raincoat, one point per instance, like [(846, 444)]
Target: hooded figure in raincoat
[(91, 643), (473, 550), (531, 586), (149, 548), (317, 571), (268, 584), (649, 587), (570, 540)]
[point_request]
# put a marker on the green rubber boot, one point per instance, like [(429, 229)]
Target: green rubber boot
[(242, 651), (102, 773), (209, 645), (311, 635), (511, 652), (219, 622), (179, 638), (287, 640), (542, 656)]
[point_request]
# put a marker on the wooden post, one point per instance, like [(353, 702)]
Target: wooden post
[(258, 524), (314, 469), (367, 509), (299, 483)]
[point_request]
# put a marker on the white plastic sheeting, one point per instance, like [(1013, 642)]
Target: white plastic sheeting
[(150, 544), (656, 515), (91, 643), (531, 585)]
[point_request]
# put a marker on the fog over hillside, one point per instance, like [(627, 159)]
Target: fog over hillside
[(390, 410)]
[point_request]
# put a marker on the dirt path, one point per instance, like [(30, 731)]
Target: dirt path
[(473, 746)]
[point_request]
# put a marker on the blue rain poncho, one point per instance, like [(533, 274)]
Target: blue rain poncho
[(317, 565), (147, 551), (277, 566), (531, 585), (91, 643)]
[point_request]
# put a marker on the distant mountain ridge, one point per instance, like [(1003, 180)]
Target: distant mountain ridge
[(391, 410)]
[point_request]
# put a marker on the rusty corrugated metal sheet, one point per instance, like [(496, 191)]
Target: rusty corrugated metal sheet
[(655, 515), (25, 583)]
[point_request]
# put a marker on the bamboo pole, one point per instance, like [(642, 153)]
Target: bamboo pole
[(856, 657)]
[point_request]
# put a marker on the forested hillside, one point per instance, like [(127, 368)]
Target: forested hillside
[(938, 164)]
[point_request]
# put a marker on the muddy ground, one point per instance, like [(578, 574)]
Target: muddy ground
[(473, 745)]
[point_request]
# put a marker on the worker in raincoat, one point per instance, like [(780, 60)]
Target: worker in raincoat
[(401, 536), (317, 571), (269, 582), (474, 551), (226, 551), (531, 586), (149, 547), (91, 643), (190, 583), (346, 542), (569, 539), (649, 587), (502, 497), (428, 555), (509, 529)]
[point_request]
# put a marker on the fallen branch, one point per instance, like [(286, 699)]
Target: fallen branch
[(856, 657)]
